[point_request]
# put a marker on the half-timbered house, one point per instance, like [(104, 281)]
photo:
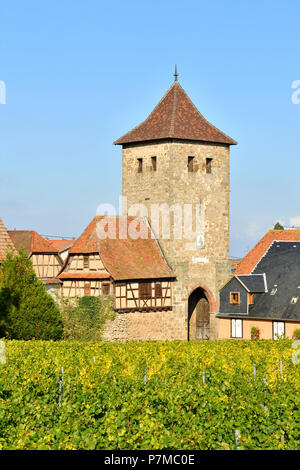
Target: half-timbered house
[(45, 258), (63, 246), (132, 270)]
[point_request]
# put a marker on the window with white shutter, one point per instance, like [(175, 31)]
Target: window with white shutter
[(236, 328)]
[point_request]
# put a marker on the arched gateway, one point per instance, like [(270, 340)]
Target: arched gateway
[(200, 304)]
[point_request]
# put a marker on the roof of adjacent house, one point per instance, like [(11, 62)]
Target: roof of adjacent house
[(248, 263), (280, 265), (31, 242), (253, 282), (123, 254), (5, 241), (61, 245), (175, 117)]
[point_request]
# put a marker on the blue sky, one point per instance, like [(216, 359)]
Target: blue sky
[(79, 74)]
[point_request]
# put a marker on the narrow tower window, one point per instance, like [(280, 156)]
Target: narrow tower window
[(208, 165), (140, 165), (153, 161), (191, 164)]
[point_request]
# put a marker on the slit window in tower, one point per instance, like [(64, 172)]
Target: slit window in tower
[(153, 161), (140, 165), (208, 165), (191, 164)]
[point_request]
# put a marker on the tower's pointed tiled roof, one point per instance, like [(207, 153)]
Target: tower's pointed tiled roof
[(175, 117), (5, 241)]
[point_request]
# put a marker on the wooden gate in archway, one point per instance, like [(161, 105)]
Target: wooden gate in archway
[(198, 316)]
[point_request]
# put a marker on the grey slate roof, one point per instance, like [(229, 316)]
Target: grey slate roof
[(281, 265), (253, 282)]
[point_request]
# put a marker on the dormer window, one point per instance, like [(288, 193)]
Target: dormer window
[(235, 298), (251, 299)]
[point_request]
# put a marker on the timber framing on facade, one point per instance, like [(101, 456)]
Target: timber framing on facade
[(133, 271), (45, 258)]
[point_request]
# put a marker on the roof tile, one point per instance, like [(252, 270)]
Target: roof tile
[(175, 117)]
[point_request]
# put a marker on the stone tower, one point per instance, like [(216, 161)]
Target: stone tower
[(176, 167)]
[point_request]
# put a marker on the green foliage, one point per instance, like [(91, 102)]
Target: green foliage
[(84, 317), (106, 404), (27, 311), (255, 333), (278, 226), (296, 333)]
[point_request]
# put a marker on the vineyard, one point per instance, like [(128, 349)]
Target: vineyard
[(149, 395)]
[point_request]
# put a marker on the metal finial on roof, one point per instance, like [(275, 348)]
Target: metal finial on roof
[(175, 74)]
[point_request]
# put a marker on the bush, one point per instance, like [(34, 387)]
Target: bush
[(296, 333), (84, 317), (27, 311), (255, 333)]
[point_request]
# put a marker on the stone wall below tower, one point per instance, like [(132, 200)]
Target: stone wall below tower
[(143, 326)]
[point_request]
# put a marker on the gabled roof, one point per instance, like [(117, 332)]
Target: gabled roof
[(31, 242), (5, 241), (175, 117), (254, 283), (249, 262), (281, 264), (123, 256), (61, 245)]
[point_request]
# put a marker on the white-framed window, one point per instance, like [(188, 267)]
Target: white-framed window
[(278, 329), (236, 328)]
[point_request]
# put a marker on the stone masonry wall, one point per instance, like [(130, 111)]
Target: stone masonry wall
[(171, 184)]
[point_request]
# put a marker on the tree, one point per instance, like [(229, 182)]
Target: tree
[(278, 226), (27, 311)]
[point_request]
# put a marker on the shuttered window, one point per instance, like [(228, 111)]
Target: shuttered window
[(236, 328), (105, 288), (87, 288), (145, 290), (158, 290), (278, 329)]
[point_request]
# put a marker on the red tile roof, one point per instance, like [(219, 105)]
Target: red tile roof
[(5, 241), (249, 262), (31, 242), (83, 275), (175, 117), (61, 245), (125, 258)]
